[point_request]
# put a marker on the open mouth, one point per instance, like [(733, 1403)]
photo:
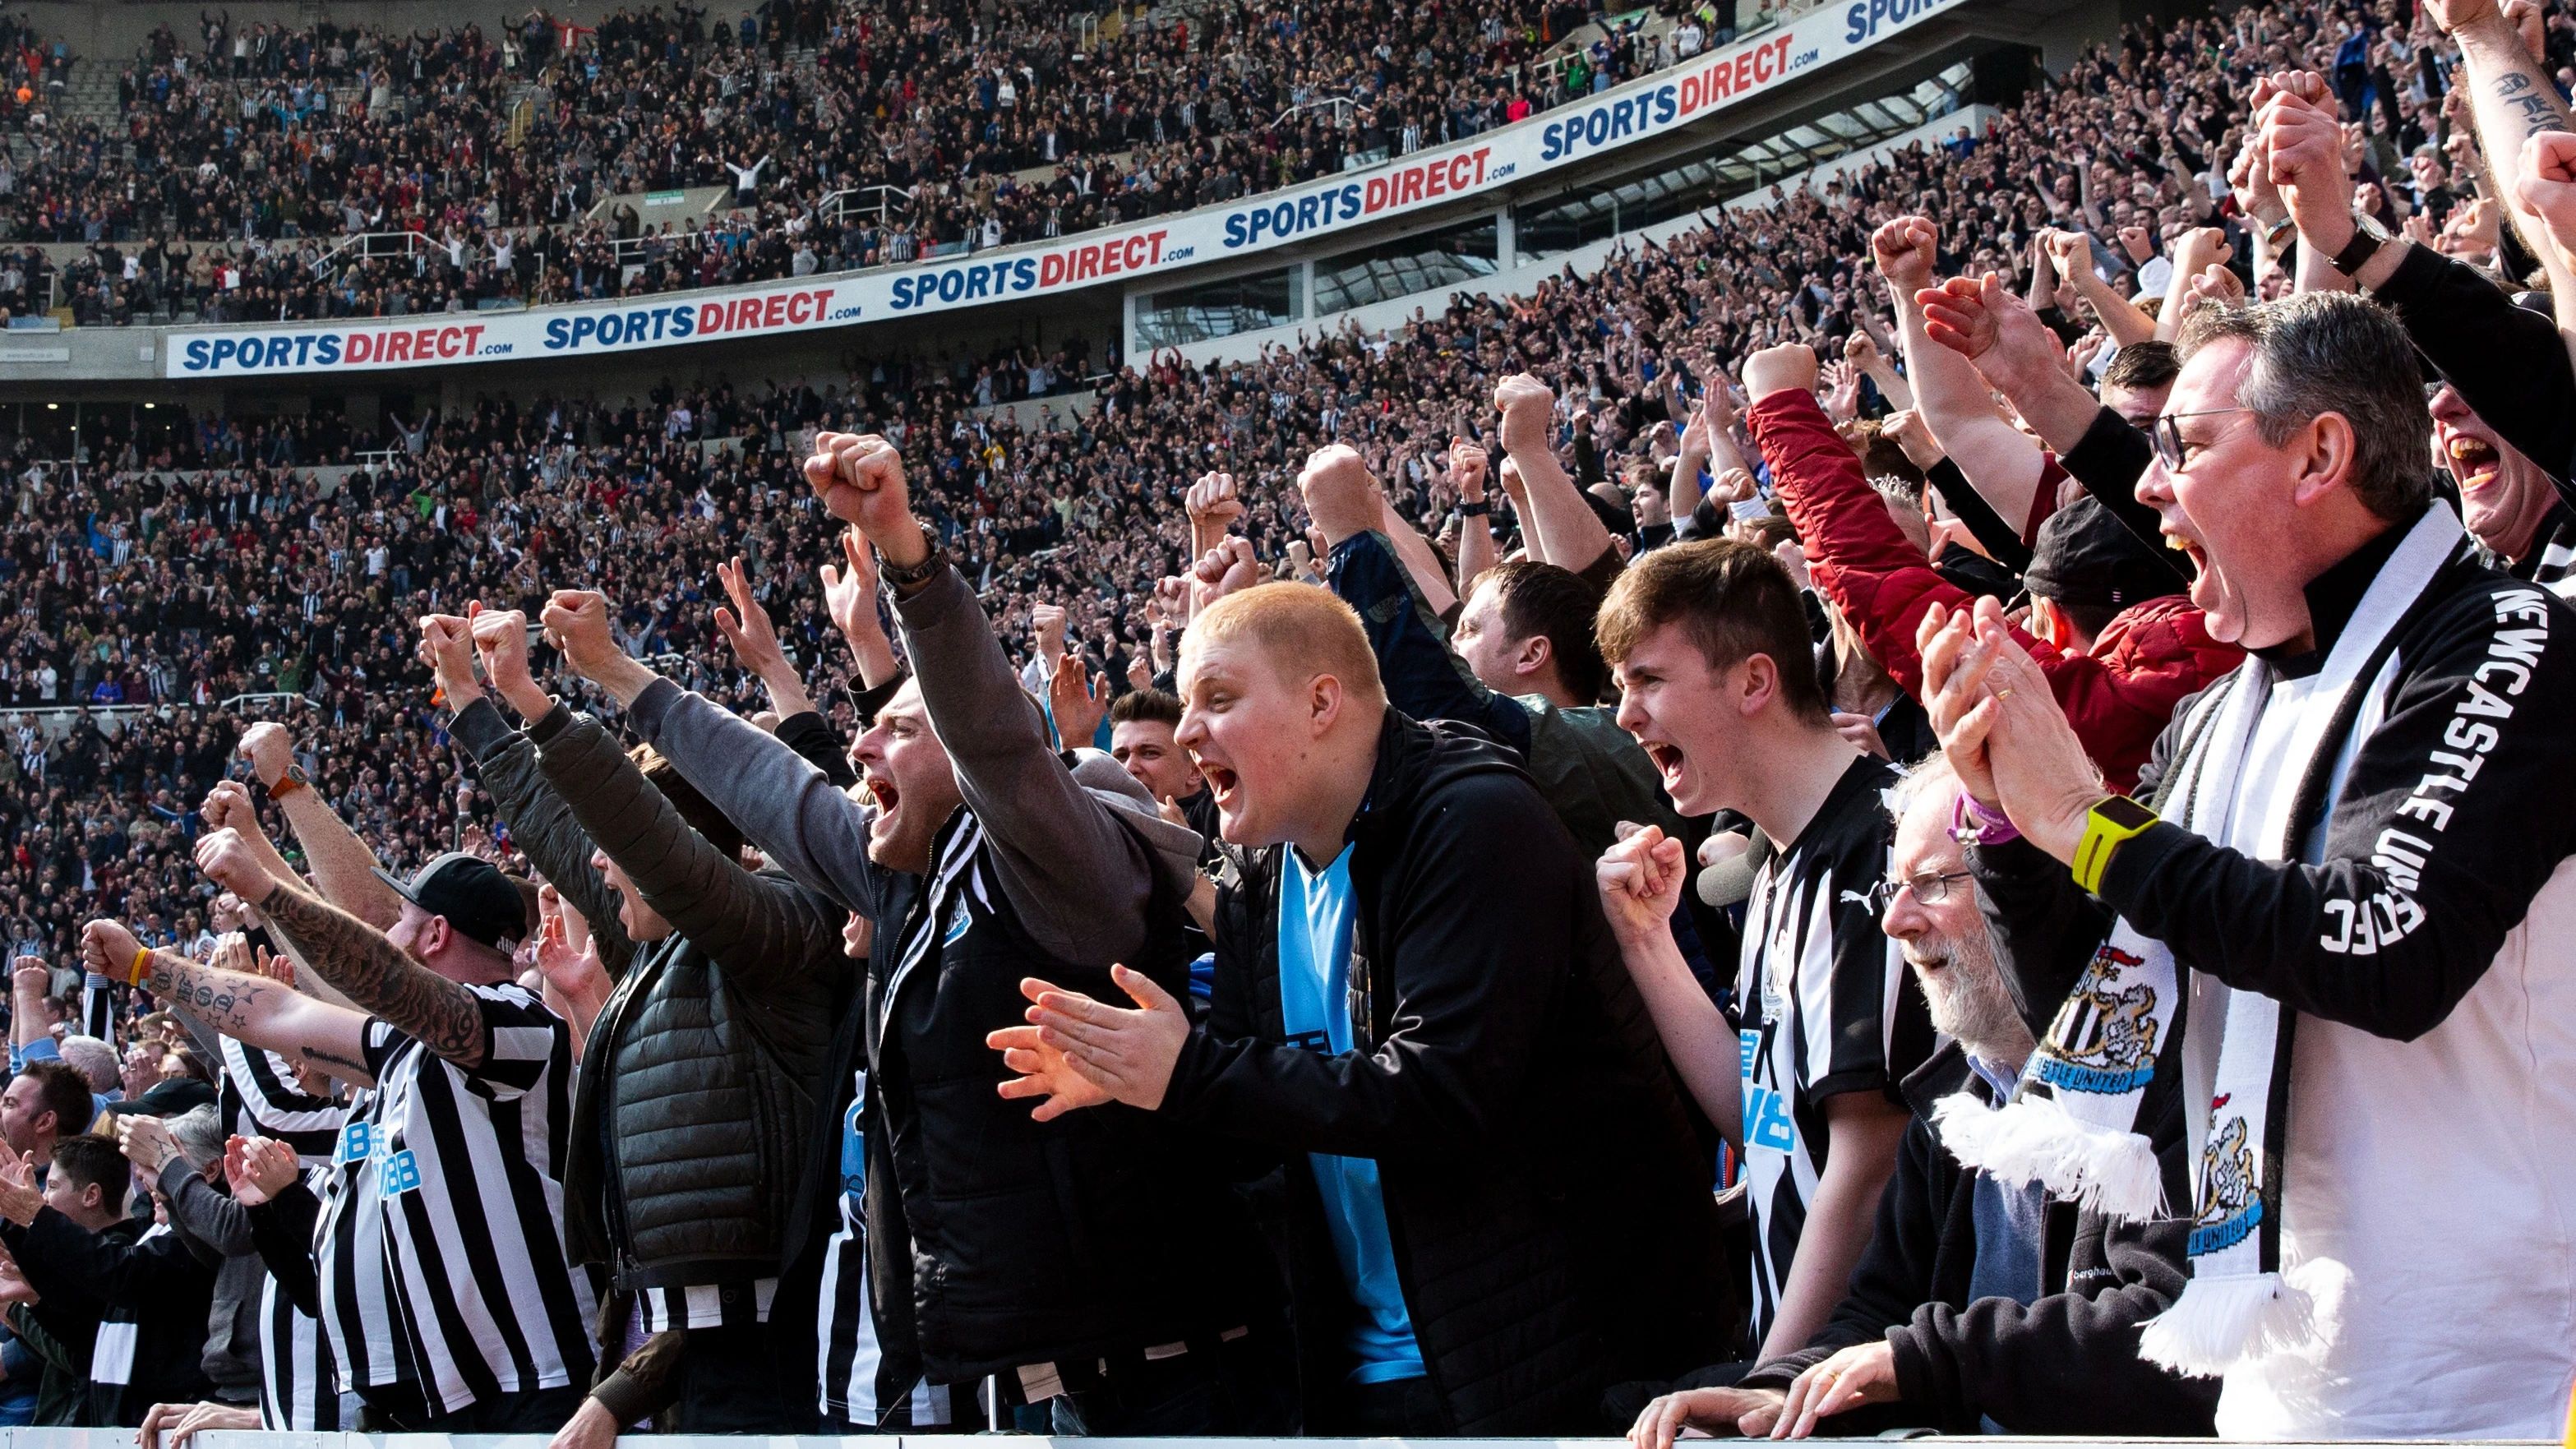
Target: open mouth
[(1668, 761), (2474, 462), (887, 796), (1221, 781)]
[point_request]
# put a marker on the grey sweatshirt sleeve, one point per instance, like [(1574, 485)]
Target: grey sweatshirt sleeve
[(780, 802), (1078, 878), (541, 825), (761, 929), (203, 1213)]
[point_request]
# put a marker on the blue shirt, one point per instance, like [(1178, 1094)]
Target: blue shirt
[(1315, 918)]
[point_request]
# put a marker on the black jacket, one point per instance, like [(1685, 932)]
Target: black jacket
[(698, 1083), (2067, 1363), (1553, 1224), (87, 1280)]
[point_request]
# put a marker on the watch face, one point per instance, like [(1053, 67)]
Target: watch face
[(2125, 813)]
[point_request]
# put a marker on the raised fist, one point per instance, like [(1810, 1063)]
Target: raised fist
[(1904, 250), (228, 806), (859, 477), (1467, 470), (577, 623), (501, 637), (1048, 622), (1211, 501), (1340, 495), (229, 861), (1527, 406), (2546, 190), (447, 644), (108, 949), (270, 750)]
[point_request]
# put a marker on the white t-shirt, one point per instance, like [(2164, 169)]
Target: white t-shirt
[(2430, 1203)]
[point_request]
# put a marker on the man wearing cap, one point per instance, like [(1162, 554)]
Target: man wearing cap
[(2120, 644), (443, 1202)]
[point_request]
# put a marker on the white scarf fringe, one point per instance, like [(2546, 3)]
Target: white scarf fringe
[(2222, 1321), (2034, 1139)]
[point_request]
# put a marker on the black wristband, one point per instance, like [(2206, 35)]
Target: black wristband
[(1477, 509)]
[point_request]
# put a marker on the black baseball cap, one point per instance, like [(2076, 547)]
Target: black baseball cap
[(472, 893), (2085, 555)]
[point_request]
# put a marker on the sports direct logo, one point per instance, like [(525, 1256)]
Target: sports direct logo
[(303, 351)]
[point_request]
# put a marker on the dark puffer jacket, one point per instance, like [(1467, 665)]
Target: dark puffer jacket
[(1553, 1224), (696, 1094)]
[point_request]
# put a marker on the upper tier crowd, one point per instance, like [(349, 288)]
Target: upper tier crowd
[(1931, 808), (244, 153)]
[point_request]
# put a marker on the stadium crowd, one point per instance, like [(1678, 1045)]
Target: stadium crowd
[(1747, 842), (851, 135)]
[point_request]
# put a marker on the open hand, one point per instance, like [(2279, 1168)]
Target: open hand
[(1076, 1052)]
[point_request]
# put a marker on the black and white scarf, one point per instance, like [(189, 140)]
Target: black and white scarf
[(2072, 1123)]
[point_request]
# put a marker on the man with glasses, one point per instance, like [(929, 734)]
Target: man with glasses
[(2355, 864), (1979, 1306)]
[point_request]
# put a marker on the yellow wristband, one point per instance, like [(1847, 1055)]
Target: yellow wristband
[(2113, 820), (134, 974)]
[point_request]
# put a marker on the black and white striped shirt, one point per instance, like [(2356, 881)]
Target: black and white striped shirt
[(1825, 1006), (299, 1378), (460, 1173)]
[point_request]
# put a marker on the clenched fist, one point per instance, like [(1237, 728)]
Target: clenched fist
[(1340, 495), (229, 861), (1527, 406), (859, 477)]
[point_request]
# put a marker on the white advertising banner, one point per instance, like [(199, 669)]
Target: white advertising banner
[(1624, 116)]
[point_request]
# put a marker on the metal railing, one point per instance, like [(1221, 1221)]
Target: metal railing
[(873, 202)]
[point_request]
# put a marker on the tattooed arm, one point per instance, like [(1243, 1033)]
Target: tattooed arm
[(376, 975), (251, 1009)]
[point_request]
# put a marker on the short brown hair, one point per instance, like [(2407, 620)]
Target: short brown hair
[(700, 812), (1544, 599), (1150, 705), (63, 1091), (1298, 627), (1733, 599)]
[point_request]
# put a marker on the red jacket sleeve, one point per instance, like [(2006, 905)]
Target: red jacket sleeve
[(2119, 697)]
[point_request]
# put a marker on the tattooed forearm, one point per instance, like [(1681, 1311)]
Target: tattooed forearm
[(222, 1000), (374, 973)]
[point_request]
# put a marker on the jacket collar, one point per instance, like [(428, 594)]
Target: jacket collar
[(2332, 598), (1943, 1073)]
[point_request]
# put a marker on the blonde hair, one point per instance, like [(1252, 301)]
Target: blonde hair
[(1299, 630)]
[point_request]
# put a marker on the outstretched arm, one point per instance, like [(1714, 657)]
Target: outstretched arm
[(353, 956), (1563, 526), (256, 1011), (2002, 465), (344, 869)]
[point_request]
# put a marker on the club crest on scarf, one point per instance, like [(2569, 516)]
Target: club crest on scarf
[(2105, 1036), (2230, 1207)]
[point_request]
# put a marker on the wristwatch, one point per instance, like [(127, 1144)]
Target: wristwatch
[(287, 784), (1477, 509), (2368, 236), (913, 576), (2113, 821)]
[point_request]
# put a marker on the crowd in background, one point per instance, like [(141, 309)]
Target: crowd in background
[(1799, 707), (518, 157)]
